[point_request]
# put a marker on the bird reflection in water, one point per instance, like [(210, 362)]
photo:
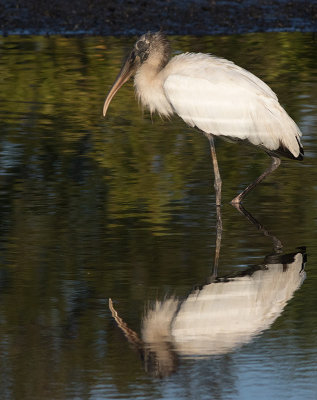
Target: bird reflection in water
[(221, 315)]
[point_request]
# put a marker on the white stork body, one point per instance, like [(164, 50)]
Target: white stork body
[(214, 95), (220, 98)]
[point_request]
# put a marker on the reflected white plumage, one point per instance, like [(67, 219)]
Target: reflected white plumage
[(214, 95), (219, 316), (227, 313)]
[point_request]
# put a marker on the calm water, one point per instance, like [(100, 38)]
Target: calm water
[(123, 208)]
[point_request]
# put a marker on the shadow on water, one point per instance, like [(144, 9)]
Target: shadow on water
[(220, 315)]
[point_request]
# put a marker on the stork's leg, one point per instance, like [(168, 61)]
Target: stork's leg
[(277, 244), (218, 244), (275, 164), (218, 182)]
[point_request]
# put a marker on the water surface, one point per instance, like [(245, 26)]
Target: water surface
[(123, 208)]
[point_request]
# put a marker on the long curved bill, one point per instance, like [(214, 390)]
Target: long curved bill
[(124, 75)]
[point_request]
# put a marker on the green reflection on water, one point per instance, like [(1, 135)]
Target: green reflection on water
[(123, 207)]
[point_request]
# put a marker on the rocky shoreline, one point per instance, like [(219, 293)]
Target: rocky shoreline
[(132, 17)]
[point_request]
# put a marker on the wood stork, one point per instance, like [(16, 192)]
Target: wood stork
[(214, 95)]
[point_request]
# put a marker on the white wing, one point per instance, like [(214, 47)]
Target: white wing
[(222, 99)]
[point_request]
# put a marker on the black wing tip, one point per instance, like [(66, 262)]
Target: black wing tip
[(301, 151), (283, 151), (288, 258)]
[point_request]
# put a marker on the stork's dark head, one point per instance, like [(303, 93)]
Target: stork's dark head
[(152, 45), (151, 48)]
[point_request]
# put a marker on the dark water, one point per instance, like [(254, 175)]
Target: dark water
[(123, 208)]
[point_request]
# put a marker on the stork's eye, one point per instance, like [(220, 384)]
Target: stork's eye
[(141, 45)]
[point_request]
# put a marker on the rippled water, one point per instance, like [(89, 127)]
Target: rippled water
[(123, 208)]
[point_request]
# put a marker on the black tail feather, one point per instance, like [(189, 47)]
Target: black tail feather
[(283, 151)]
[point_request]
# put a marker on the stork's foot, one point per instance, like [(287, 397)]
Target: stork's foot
[(237, 204), (236, 201), (275, 163)]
